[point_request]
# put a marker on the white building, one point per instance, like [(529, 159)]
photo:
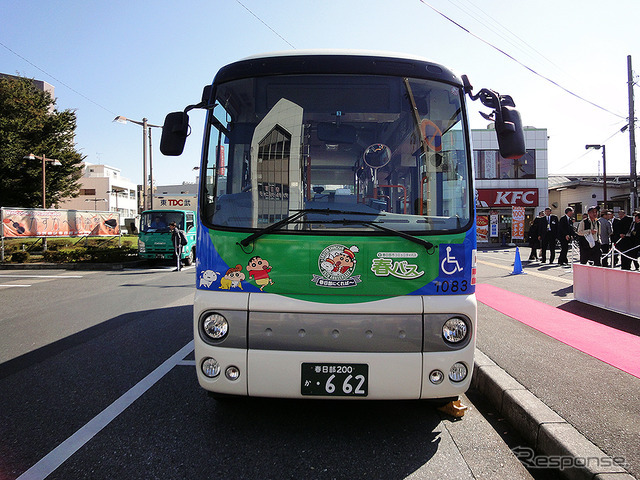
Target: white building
[(103, 188), (502, 184), (176, 197)]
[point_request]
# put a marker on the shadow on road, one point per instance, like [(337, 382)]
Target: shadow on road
[(611, 319), (44, 353)]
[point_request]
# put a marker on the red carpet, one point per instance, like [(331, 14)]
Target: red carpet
[(617, 348)]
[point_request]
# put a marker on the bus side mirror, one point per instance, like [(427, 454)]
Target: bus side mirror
[(510, 133), (506, 117), (174, 133)]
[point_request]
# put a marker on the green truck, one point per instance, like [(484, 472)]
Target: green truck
[(154, 237)]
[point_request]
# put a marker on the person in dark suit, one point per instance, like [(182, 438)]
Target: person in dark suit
[(534, 243), (634, 233), (619, 237), (547, 234), (565, 234), (178, 239)]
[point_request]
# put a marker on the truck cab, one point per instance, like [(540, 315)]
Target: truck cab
[(154, 238)]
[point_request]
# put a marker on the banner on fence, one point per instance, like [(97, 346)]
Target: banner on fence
[(37, 222)]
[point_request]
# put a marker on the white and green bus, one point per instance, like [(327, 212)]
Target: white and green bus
[(336, 227)]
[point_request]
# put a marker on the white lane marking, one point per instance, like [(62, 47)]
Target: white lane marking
[(40, 276), (71, 445), (11, 286), (188, 363)]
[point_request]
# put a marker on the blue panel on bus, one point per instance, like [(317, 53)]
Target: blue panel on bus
[(456, 275)]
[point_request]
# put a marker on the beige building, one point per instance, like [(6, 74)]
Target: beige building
[(103, 188), (583, 191)]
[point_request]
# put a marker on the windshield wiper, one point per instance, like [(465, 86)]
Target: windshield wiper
[(427, 245), (293, 217)]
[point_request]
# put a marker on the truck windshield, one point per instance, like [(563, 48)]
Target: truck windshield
[(158, 222), (390, 149)]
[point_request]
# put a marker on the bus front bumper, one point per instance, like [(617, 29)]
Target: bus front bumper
[(286, 374)]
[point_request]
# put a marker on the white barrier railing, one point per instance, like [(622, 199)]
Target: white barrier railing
[(610, 288)]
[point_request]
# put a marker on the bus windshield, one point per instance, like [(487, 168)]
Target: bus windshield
[(346, 152)]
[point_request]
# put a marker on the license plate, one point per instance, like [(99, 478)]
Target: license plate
[(335, 379)]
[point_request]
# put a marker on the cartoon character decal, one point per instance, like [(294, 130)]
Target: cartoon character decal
[(259, 269), (341, 261), (208, 277), (337, 264), (232, 279)]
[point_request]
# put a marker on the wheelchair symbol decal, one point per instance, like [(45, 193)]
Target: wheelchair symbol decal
[(449, 264)]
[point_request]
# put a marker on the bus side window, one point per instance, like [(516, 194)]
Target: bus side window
[(189, 222)]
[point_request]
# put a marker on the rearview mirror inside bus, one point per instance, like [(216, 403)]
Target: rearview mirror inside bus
[(332, 133), (174, 133)]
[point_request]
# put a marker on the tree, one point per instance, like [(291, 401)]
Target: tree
[(30, 123)]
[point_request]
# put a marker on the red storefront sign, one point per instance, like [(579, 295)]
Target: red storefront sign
[(517, 197)]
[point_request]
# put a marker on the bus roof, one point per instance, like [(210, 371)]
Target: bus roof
[(343, 62), (336, 52)]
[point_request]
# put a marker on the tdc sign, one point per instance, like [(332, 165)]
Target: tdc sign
[(180, 203), (495, 197)]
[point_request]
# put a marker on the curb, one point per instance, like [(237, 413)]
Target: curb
[(542, 428), (71, 266)]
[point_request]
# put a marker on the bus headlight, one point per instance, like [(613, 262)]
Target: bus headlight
[(211, 367), (215, 326), (142, 248), (458, 372), (454, 330)]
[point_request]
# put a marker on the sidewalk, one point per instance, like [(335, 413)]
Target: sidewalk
[(555, 441)]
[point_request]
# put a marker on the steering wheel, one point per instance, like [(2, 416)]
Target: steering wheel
[(432, 135)]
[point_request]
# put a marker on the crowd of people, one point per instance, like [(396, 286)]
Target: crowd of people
[(602, 239)]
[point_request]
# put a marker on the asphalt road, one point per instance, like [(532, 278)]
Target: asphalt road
[(602, 402), (97, 381)]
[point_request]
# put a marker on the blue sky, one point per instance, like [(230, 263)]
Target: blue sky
[(145, 59)]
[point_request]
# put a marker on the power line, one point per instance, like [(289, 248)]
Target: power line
[(498, 28), (265, 24), (57, 79), (618, 131), (519, 62)]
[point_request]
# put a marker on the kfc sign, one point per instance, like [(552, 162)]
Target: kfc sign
[(496, 197)]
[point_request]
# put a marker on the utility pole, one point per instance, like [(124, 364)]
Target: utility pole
[(145, 179), (150, 171), (632, 139)]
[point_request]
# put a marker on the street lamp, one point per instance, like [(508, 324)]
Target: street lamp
[(145, 127), (604, 169), (95, 202), (116, 191), (53, 161)]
